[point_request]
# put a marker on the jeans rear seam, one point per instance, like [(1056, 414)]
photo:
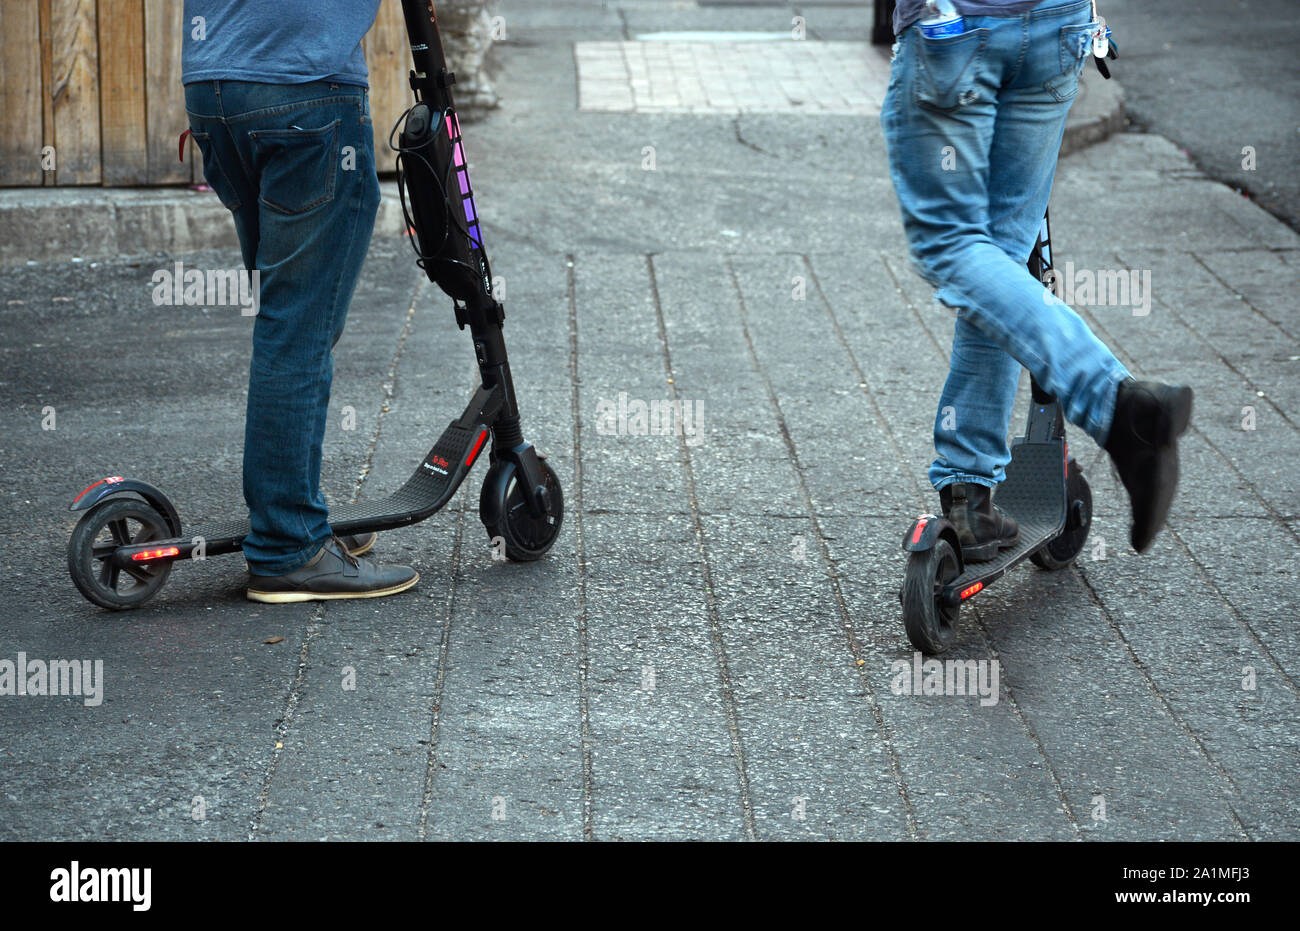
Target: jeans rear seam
[(1020, 59)]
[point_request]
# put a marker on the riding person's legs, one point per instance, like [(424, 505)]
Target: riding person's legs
[(973, 124), (998, 116)]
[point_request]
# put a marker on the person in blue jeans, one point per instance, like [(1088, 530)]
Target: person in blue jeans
[(276, 95), (973, 123)]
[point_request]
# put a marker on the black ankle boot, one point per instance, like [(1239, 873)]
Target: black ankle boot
[(982, 528), (1143, 444)]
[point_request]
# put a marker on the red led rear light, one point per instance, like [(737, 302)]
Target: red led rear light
[(111, 480), (145, 555), (920, 527), (971, 590)]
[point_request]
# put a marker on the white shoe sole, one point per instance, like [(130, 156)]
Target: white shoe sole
[(275, 598), (365, 549)]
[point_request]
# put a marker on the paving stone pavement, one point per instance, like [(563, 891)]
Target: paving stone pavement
[(708, 652), (722, 76)]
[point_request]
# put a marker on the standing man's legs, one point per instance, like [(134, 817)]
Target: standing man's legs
[(1031, 111), (295, 164), (956, 99), (319, 197)]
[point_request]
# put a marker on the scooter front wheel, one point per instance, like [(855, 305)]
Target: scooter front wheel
[(931, 623), (116, 522), (1061, 551), (505, 513)]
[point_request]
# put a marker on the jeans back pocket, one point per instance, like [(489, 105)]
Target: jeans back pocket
[(297, 167), (1075, 47), (947, 70)]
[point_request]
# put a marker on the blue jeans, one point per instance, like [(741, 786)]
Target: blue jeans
[(973, 125), (295, 165)]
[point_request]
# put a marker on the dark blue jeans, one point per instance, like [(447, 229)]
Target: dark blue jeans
[(295, 165)]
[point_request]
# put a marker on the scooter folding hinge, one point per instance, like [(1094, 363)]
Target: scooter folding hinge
[(483, 408), (462, 314)]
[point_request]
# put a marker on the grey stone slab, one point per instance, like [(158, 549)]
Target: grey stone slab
[(819, 765), (972, 771), (662, 759), (1100, 724), (508, 758), (1154, 195), (1195, 651)]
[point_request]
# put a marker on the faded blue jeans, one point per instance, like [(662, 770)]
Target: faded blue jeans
[(973, 125), (295, 165)]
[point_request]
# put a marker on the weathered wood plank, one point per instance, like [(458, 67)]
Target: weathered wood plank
[(123, 141), (20, 92), (164, 25), (47, 81), (75, 91), (388, 59)]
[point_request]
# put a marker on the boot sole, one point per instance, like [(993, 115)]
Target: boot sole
[(291, 597), (987, 552), (1172, 424)]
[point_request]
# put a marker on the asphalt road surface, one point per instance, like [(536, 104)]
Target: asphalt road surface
[(1216, 77)]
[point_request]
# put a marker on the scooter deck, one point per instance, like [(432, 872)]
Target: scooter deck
[(1034, 493), (429, 488)]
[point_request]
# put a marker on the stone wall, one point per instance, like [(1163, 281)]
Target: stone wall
[(467, 34)]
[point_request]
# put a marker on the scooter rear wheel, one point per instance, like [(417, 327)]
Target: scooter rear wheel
[(1061, 551), (931, 624), (105, 527)]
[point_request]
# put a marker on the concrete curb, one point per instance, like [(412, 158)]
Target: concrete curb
[(57, 224), (1097, 113)]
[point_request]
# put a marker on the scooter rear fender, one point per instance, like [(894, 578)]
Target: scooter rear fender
[(927, 530), (116, 485)]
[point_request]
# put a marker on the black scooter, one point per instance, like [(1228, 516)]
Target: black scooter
[(1045, 492), (122, 550)]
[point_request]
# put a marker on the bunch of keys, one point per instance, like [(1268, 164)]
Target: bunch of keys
[(1102, 45)]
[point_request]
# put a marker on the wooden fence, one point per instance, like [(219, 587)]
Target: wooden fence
[(93, 87)]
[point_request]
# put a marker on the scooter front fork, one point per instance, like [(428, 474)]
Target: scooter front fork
[(484, 319)]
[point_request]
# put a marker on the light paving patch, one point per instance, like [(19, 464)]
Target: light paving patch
[(729, 77)]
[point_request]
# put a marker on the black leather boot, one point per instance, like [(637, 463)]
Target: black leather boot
[(982, 528), (1143, 444)]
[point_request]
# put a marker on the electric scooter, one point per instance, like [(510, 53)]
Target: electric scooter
[(1044, 491), (123, 547)]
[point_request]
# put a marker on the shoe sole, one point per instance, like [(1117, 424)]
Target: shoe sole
[(1172, 424), (987, 552), (275, 598), (365, 549)]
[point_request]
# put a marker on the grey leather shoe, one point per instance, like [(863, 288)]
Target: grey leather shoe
[(359, 543), (332, 573)]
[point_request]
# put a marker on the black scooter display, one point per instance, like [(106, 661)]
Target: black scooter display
[(1044, 491), (122, 549)]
